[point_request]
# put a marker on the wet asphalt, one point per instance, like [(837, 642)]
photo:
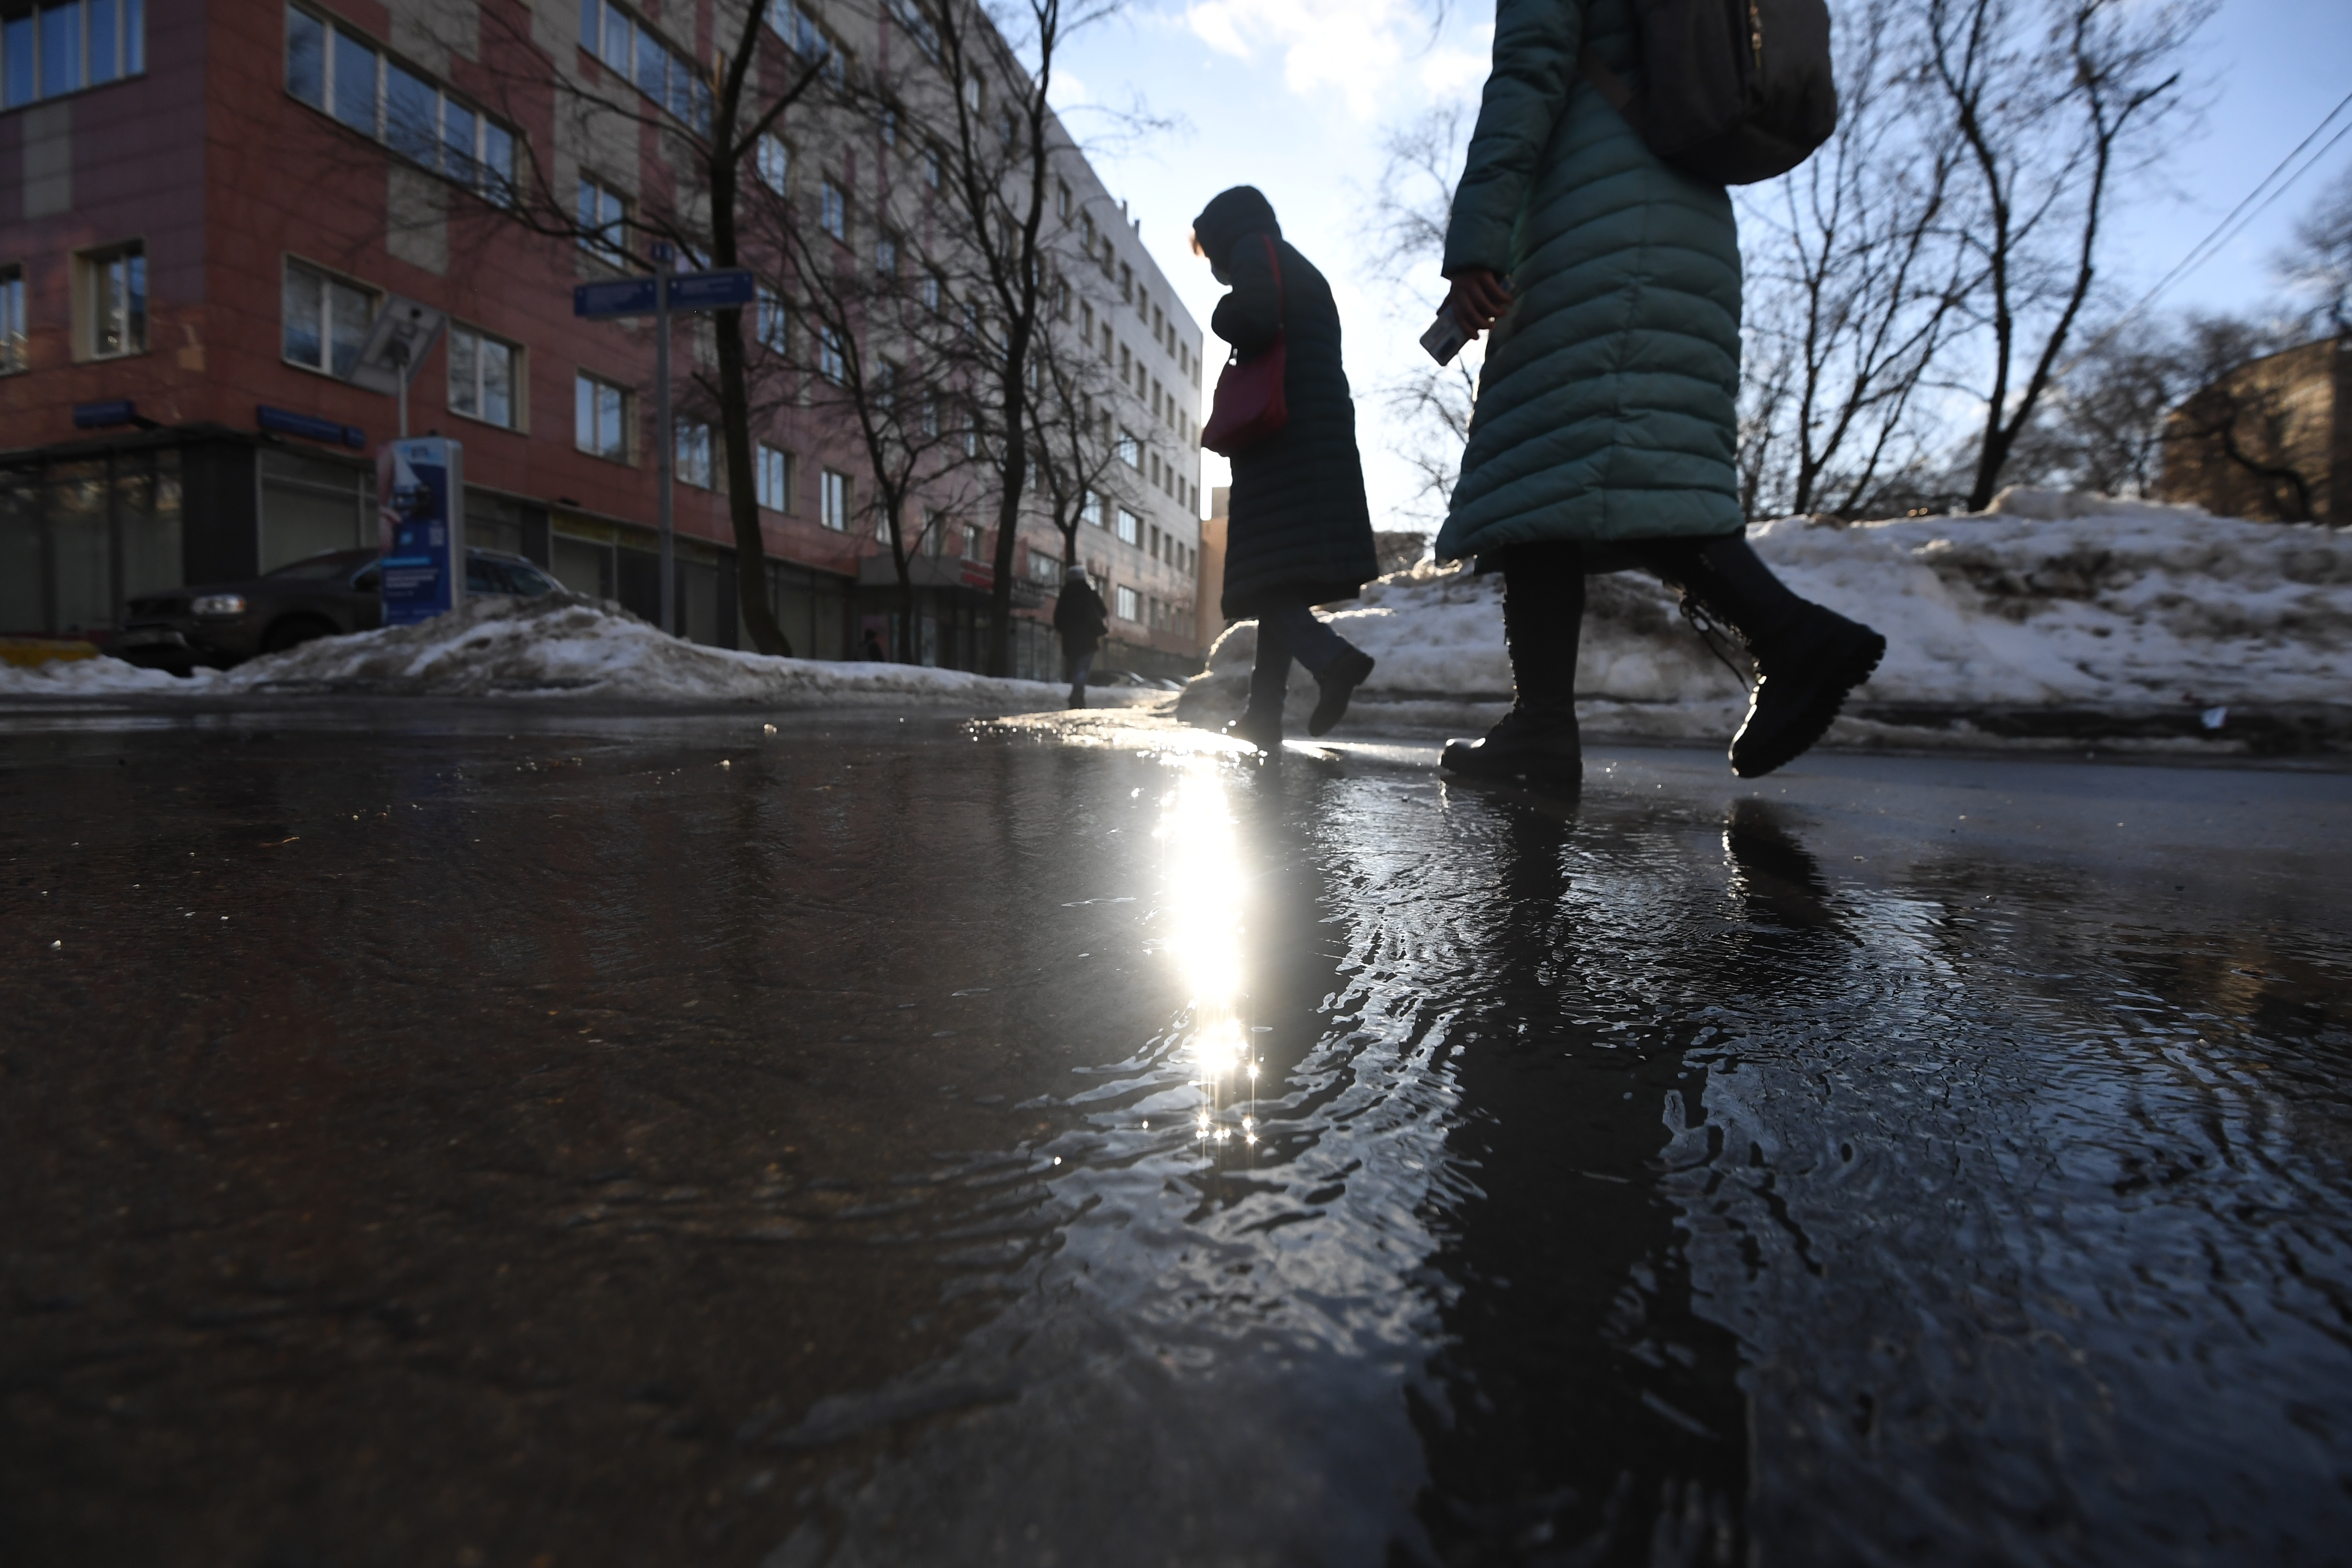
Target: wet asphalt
[(506, 1136)]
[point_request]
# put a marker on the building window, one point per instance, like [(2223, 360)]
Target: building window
[(1044, 567), (666, 75), (604, 218), (114, 285), (1130, 527), (890, 126), (774, 162), (971, 537), (601, 417), (1062, 200), (340, 73), (326, 319), (833, 211), (485, 378), (768, 321), (832, 500), (1129, 606), (60, 48), (886, 255), (774, 475), (13, 355), (831, 363), (1091, 508), (1131, 450), (691, 452), (933, 291), (808, 40), (1127, 282), (934, 166)]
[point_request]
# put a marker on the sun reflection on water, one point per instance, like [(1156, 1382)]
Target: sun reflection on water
[(1204, 885)]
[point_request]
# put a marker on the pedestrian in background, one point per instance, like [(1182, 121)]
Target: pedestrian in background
[(1299, 532), (1605, 429), (1081, 618)]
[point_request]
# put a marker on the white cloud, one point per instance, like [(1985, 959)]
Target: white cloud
[(1353, 47)]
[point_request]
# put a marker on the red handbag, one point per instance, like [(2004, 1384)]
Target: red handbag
[(1249, 404)]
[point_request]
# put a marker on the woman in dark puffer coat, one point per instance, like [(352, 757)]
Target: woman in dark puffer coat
[(1300, 533), (1605, 426)]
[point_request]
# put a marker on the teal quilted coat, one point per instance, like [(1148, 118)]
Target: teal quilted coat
[(1606, 406)]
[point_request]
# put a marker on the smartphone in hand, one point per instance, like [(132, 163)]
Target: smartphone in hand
[(1445, 338)]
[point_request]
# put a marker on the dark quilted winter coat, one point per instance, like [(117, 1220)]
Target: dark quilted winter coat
[(1299, 528), (1605, 409)]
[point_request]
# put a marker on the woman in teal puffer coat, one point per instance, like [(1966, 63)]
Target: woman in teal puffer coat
[(1605, 428)]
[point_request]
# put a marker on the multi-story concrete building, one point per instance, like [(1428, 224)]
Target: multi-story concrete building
[(203, 207)]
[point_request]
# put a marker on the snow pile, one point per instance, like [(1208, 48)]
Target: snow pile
[(2043, 600), (559, 645)]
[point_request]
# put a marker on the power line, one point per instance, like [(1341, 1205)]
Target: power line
[(2206, 249)]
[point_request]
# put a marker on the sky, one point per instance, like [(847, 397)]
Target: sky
[(1294, 97)]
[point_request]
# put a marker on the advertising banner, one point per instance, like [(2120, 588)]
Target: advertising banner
[(420, 490)]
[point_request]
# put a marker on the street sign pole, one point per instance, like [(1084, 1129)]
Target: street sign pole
[(667, 290), (668, 444)]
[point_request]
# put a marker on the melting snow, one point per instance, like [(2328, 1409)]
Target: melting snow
[(559, 645)]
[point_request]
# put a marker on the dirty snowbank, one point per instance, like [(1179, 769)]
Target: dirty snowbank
[(558, 646), (2042, 601)]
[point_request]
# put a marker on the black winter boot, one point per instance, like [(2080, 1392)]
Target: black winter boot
[(1261, 723), (1336, 683), (1807, 657), (1543, 614)]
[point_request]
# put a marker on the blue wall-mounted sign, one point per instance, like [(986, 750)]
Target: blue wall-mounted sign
[(420, 490), (103, 416), (286, 422)]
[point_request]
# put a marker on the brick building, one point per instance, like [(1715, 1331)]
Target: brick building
[(202, 207), (2271, 439)]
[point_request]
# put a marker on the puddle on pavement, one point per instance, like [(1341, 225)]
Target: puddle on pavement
[(632, 1141)]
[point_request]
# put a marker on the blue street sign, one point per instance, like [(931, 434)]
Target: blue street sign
[(712, 290), (421, 485), (101, 416), (286, 422), (620, 297)]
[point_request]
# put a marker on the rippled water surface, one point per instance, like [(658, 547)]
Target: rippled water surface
[(549, 1140)]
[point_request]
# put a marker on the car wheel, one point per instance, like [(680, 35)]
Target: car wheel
[(295, 632)]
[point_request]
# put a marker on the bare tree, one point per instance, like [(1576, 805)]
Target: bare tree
[(2052, 103), (1855, 284), (2318, 263), (708, 125), (1405, 231), (1077, 460)]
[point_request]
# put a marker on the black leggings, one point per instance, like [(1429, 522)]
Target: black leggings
[(1289, 630)]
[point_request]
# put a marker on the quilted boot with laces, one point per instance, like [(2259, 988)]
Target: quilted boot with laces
[(1543, 613)]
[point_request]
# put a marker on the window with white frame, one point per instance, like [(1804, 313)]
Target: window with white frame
[(341, 73), (326, 319), (13, 354), (833, 210), (51, 49), (1131, 450), (690, 453), (832, 361), (603, 222), (1128, 604), (1062, 200), (832, 500), (773, 478), (1091, 508), (768, 321), (1130, 527), (601, 417), (934, 166), (1044, 566), (808, 39), (934, 290), (485, 378), (773, 160), (973, 535), (114, 299), (668, 76), (886, 254)]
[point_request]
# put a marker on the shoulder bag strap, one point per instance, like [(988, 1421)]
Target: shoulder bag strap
[(1281, 297)]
